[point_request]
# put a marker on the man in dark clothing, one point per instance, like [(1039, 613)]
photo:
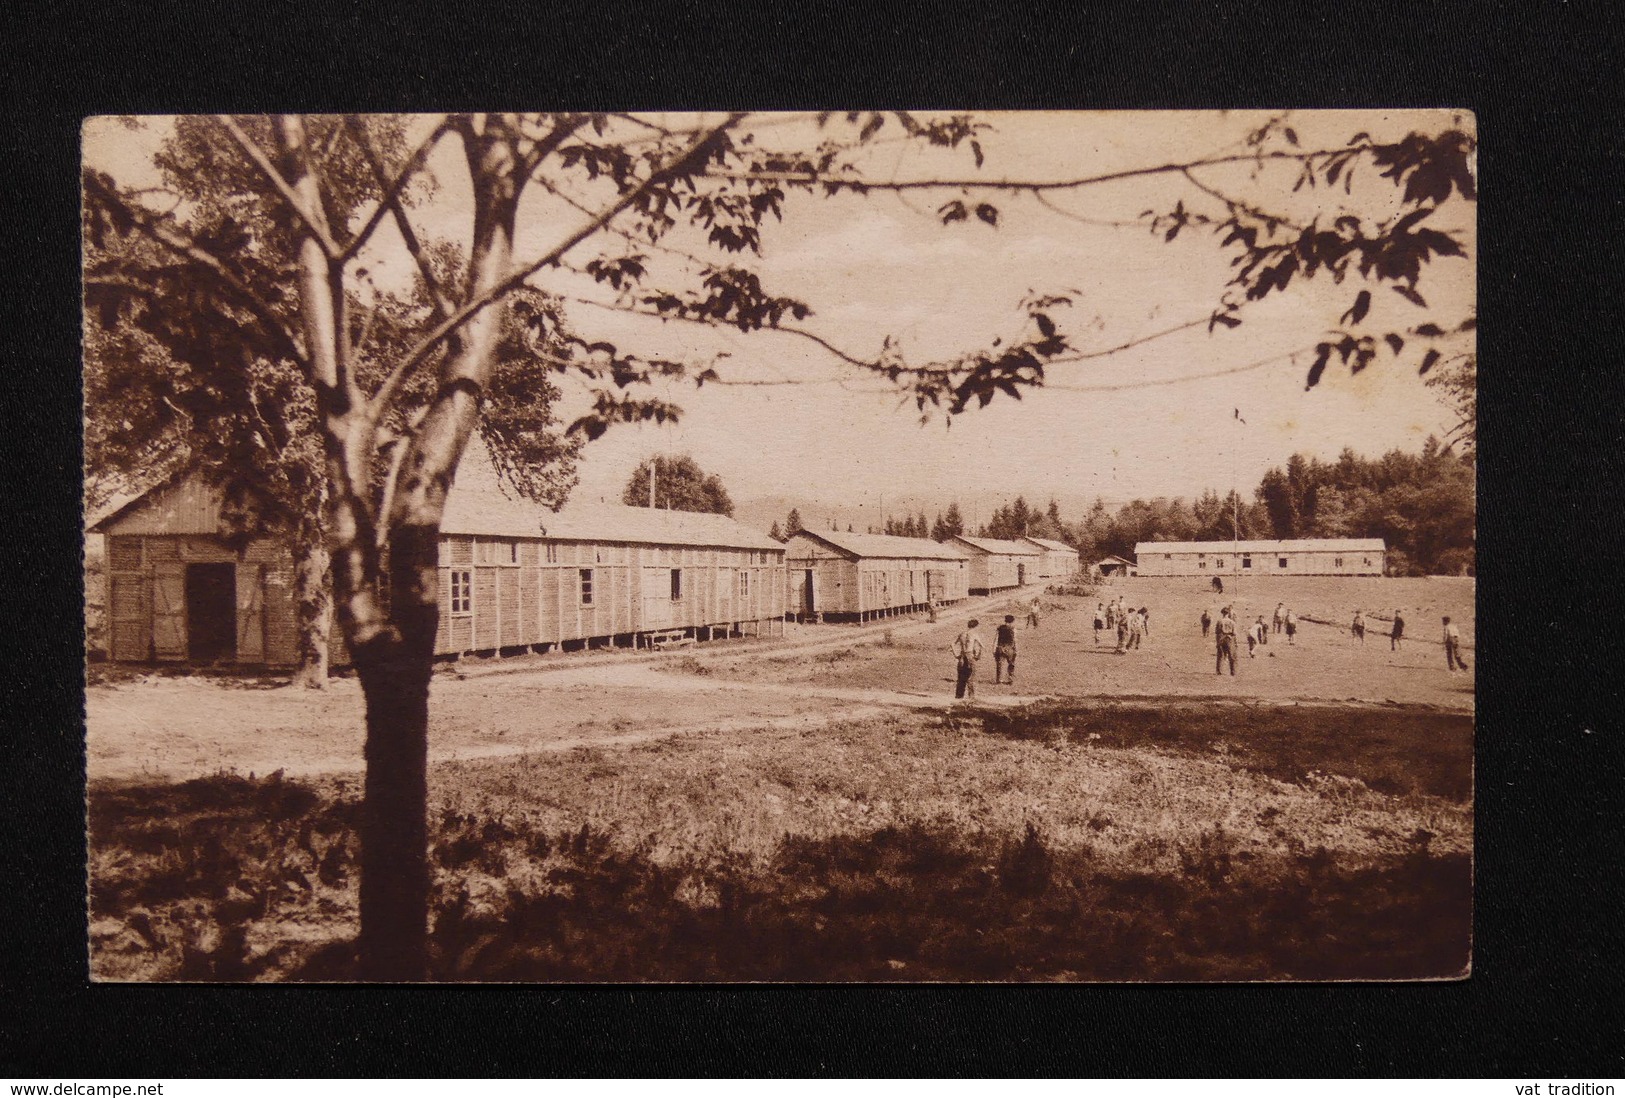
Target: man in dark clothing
[(1004, 651), (1207, 623), (1398, 632)]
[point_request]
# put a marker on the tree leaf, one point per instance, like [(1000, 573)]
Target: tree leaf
[(988, 213), (1410, 295), (1395, 341), (1427, 362), (1291, 135), (976, 150)]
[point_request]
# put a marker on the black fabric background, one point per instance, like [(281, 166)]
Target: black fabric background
[(1547, 940)]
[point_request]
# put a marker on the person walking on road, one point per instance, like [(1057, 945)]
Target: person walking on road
[(1100, 620), (1224, 635), (1207, 623), (1358, 628), (1291, 626), (1004, 652), (1452, 647), (1397, 633), (967, 650), (1280, 616)]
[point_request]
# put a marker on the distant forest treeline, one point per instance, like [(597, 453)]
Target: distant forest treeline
[(1423, 506)]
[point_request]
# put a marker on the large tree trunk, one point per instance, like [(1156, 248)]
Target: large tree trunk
[(394, 677), (313, 602)]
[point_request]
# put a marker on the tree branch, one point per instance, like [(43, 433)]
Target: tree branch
[(386, 392), (314, 220), (1234, 204), (391, 201), (813, 179)]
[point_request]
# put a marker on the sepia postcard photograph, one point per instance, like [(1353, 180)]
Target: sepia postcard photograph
[(934, 547)]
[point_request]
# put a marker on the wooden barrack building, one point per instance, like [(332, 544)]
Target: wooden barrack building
[(996, 565), (1294, 557), (861, 576), (1057, 560), (513, 576)]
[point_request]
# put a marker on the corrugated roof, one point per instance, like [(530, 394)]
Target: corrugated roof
[(492, 514), (994, 545), (1301, 545), (1047, 543), (885, 545)]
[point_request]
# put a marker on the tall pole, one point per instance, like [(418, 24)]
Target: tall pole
[(1235, 501)]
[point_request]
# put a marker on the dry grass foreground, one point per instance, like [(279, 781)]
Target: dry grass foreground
[(1063, 840)]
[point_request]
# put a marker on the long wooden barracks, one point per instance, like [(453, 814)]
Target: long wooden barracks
[(1294, 557), (997, 565), (513, 575), (837, 576), (1057, 560)]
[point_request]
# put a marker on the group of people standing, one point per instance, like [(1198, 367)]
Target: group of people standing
[(1132, 624), (1224, 636), (1285, 620)]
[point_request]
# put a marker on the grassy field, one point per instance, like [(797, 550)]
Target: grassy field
[(1068, 839)]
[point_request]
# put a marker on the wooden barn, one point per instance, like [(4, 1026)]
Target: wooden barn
[(862, 576), (996, 565), (513, 575), (1057, 560), (1296, 557), (177, 591)]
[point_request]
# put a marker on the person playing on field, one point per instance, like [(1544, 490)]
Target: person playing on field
[(1122, 632), (1397, 633), (1224, 635), (1452, 647), (967, 649), (1100, 620), (1291, 626), (1207, 623), (1358, 628), (1004, 651), (1032, 613), (1280, 616), (1256, 632), (1145, 620), (1136, 628)]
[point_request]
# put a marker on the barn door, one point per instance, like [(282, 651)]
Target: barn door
[(250, 613), (169, 610)]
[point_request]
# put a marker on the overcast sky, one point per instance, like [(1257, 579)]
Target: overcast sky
[(1154, 420)]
